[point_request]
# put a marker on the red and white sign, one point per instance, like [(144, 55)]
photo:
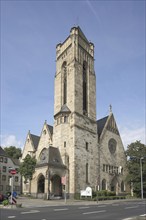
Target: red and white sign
[(12, 200), (12, 172)]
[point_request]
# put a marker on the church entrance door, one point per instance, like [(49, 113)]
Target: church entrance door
[(41, 184), (56, 185)]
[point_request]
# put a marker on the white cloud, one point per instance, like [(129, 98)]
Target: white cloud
[(10, 140), (130, 135)]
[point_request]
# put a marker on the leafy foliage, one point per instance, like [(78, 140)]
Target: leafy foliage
[(5, 202), (27, 167), (134, 152), (13, 152)]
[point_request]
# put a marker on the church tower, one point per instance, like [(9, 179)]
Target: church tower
[(75, 127)]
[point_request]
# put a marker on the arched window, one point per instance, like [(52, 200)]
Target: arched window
[(84, 87), (122, 186), (86, 172), (64, 67), (103, 184), (43, 155), (41, 184)]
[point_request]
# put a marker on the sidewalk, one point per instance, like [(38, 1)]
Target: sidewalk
[(31, 202)]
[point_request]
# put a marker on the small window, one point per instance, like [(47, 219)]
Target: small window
[(65, 119), (1, 159), (109, 169), (4, 177), (16, 178), (86, 172), (8, 188), (5, 160), (106, 168), (4, 169), (64, 143), (103, 167), (87, 146)]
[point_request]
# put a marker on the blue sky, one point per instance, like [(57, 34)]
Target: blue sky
[(30, 31)]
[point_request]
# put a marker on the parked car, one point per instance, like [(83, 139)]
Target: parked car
[(4, 197)]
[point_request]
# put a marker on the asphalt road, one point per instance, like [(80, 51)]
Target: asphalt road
[(115, 211)]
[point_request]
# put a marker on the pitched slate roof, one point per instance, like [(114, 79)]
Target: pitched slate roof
[(35, 139), (82, 34), (50, 129), (100, 125), (55, 157), (64, 109), (2, 152)]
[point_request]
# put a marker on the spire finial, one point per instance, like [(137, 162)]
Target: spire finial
[(110, 108)]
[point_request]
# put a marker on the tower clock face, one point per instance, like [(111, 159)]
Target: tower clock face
[(112, 144)]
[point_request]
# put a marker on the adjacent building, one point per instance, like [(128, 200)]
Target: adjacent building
[(5, 177)]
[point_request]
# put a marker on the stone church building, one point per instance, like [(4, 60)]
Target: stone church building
[(78, 150)]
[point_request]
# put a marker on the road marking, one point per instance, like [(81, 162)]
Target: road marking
[(88, 213), (84, 207), (127, 219), (132, 207), (11, 216), (30, 212), (100, 206), (56, 210)]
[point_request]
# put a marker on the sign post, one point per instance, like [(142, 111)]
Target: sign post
[(12, 172)]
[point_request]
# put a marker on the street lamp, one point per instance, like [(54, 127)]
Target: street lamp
[(141, 158), (141, 176)]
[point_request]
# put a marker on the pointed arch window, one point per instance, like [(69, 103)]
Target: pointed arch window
[(64, 67), (86, 172), (84, 87), (103, 184)]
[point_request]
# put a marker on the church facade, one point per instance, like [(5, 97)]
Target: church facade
[(78, 150)]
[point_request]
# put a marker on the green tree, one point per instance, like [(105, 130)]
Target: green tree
[(27, 168), (134, 152), (13, 152)]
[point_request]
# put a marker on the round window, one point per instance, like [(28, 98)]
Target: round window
[(112, 145)]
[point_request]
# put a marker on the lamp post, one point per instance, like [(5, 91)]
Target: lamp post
[(141, 176)]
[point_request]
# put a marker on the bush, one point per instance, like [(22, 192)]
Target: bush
[(106, 193), (77, 196), (101, 198), (94, 193), (5, 202)]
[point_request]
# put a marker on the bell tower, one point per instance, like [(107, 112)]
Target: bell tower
[(75, 127)]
